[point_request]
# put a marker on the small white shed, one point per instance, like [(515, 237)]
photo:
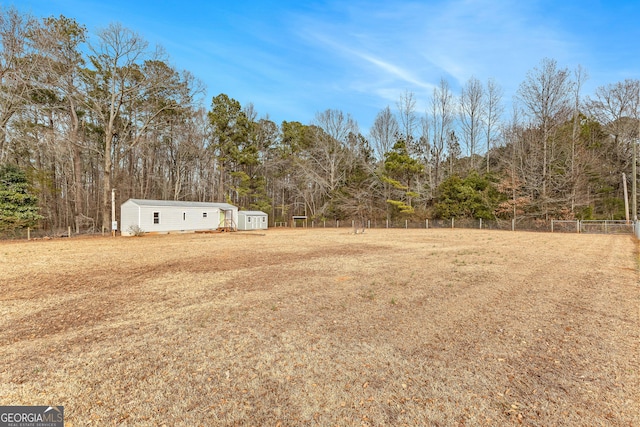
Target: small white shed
[(165, 216), (252, 220)]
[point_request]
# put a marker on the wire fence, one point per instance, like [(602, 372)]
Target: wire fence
[(46, 234), (550, 226), (608, 227)]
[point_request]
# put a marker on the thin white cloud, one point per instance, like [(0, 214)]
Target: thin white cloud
[(295, 58), (419, 43), (394, 70), (492, 39), (348, 52)]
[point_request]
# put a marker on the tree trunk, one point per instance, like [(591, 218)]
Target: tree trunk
[(77, 166), (221, 192), (106, 185)]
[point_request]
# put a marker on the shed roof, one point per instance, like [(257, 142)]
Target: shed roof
[(254, 213), (180, 203)]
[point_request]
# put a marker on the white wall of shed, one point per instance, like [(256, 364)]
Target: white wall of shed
[(129, 217), (255, 223), (171, 218)]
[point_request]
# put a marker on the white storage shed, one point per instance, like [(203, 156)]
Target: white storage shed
[(252, 220), (166, 216)]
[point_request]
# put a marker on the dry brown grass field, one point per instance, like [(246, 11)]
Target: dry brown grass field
[(323, 327)]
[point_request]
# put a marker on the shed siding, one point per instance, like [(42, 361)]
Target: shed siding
[(173, 217), (129, 217), (178, 218), (252, 220)]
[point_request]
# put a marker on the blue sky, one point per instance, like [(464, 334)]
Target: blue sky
[(292, 59)]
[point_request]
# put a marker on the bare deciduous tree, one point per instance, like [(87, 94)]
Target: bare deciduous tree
[(126, 74), (425, 155), (384, 132), (441, 119), (492, 112), (617, 107), (58, 42), (546, 97), (330, 158), (15, 68), (407, 112), (471, 116), (580, 77), (612, 105)]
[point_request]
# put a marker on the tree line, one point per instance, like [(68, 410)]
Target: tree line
[(80, 117)]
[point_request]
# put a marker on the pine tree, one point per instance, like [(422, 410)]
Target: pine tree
[(400, 169), (18, 206)]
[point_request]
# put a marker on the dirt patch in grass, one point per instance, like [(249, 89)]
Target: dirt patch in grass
[(323, 327)]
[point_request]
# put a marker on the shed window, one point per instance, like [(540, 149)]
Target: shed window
[(204, 214), (184, 216), (156, 217), (264, 219), (248, 219)]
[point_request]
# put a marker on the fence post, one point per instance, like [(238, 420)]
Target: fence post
[(387, 223), (513, 224), (605, 227), (69, 232), (28, 233), (552, 226), (353, 223), (578, 226), (453, 222), (369, 224), (406, 223), (337, 223), (480, 223), (427, 223)]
